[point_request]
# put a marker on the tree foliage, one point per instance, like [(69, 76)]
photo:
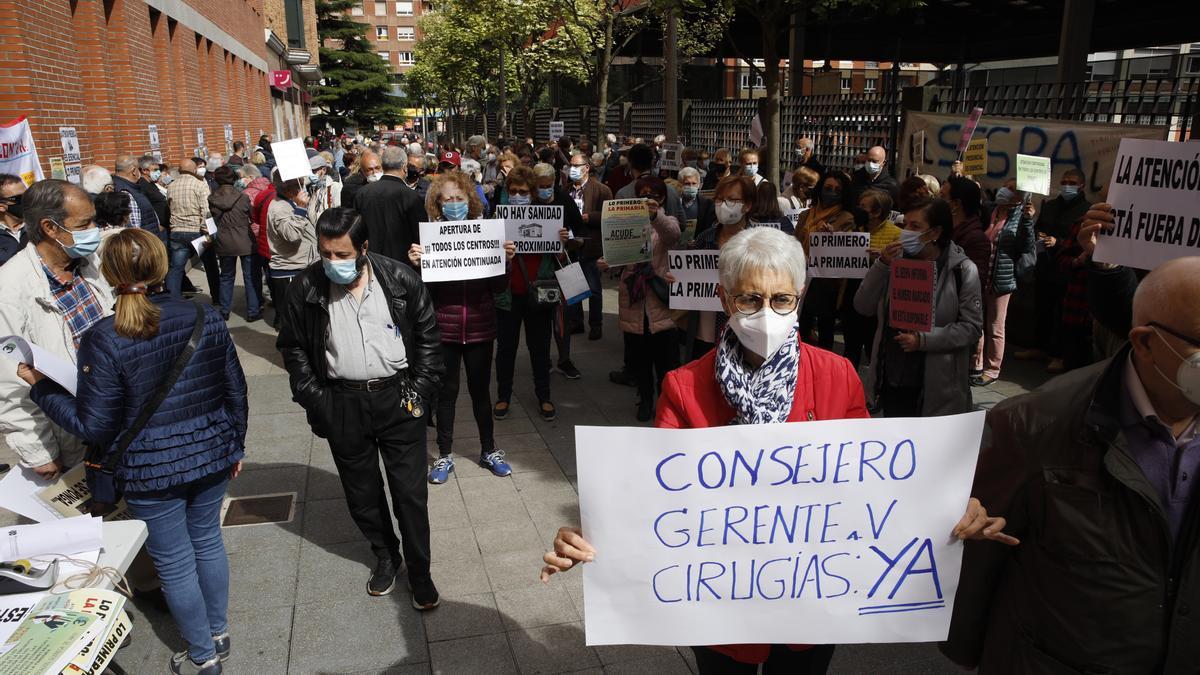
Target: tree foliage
[(356, 85)]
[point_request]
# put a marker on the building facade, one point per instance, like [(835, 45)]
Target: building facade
[(293, 50), (822, 78), (392, 24), (197, 71)]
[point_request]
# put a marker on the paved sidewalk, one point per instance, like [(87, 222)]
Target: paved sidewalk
[(298, 602)]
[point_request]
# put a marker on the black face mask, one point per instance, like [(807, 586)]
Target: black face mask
[(716, 167), (413, 173), (14, 207)]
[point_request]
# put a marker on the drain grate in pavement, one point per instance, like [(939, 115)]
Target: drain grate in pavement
[(259, 509)]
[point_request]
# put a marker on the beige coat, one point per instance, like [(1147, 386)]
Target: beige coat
[(664, 236)]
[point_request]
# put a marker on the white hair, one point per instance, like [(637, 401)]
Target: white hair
[(597, 157), (415, 149), (660, 139), (761, 248), (931, 182), (544, 170), (95, 178), (687, 171)]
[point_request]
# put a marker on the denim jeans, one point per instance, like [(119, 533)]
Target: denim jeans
[(228, 272), (184, 540), (180, 249), (595, 303)]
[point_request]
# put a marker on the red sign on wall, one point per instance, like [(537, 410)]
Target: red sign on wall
[(281, 79)]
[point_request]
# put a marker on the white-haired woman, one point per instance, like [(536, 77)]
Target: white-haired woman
[(760, 373), (699, 212)]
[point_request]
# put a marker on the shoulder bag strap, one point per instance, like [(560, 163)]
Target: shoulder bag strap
[(151, 405)]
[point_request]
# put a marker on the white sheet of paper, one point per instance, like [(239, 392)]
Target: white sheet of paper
[(839, 255), (696, 278), (1033, 174), (52, 366), (291, 159), (533, 228), (1156, 214), (65, 536), (811, 532), (18, 493), (462, 250), (573, 284)]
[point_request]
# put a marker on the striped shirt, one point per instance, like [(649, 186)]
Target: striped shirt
[(79, 306)]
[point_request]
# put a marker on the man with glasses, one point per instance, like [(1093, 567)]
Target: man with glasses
[(1096, 475), (12, 225), (53, 293)]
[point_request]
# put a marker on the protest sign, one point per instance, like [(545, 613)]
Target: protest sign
[(57, 170), (839, 255), (558, 129), (70, 496), (918, 149), (70, 145), (910, 295), (1087, 147), (291, 159), (1155, 194), (764, 223), (793, 216), (47, 363), (18, 154), (811, 532), (688, 234), (975, 157), (534, 228), (696, 279), (573, 283), (969, 129), (155, 147), (625, 231), (672, 158), (1033, 174), (462, 249)]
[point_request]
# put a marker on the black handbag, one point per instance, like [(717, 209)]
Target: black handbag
[(545, 293)]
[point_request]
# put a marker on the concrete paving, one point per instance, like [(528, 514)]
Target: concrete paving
[(298, 603)]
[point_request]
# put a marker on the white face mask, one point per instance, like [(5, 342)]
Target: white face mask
[(372, 177), (728, 214), (763, 332), (200, 171), (1187, 378)]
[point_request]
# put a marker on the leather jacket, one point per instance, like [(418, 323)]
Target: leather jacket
[(305, 327)]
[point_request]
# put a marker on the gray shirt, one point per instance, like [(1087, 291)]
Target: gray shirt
[(363, 344)]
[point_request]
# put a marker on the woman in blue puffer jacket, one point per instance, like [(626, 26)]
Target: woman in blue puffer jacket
[(174, 473)]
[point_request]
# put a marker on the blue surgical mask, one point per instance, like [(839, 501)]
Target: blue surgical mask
[(1004, 196), (751, 170), (910, 241), (546, 194), (455, 210), (240, 184), (874, 167), (341, 272), (86, 241), (575, 173), (518, 200), (1070, 191), (155, 175), (690, 191)]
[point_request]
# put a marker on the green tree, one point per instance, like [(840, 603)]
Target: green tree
[(357, 84)]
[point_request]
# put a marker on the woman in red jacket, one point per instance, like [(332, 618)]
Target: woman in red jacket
[(760, 373), (466, 316)]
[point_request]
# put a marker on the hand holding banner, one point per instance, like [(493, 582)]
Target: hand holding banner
[(625, 231)]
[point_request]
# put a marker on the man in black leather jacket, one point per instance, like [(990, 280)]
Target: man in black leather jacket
[(362, 349)]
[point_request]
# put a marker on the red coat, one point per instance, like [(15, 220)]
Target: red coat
[(828, 388)]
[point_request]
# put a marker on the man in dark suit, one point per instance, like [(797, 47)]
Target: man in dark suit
[(391, 210), (368, 166), (589, 195), (151, 171)]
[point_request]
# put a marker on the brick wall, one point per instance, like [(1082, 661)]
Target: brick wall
[(110, 68)]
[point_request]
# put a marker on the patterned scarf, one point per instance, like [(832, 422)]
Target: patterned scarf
[(762, 396)]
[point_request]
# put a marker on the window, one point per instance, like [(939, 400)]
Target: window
[(1193, 65), (405, 57), (357, 10), (745, 81), (294, 15), (870, 85), (380, 8), (406, 33), (846, 84), (404, 8), (381, 32), (386, 56)]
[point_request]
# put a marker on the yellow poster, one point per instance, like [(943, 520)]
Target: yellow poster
[(975, 157)]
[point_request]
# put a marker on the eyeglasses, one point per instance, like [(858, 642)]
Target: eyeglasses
[(732, 203), (1190, 340), (752, 303)]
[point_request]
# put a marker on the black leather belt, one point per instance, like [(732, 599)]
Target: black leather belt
[(377, 384)]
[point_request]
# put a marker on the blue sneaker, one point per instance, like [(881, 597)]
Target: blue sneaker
[(494, 461), (440, 472)]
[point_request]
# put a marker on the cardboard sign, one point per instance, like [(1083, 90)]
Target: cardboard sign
[(1155, 193), (809, 532), (969, 129), (625, 231), (462, 250), (1033, 174), (696, 280), (672, 157), (558, 129), (70, 145), (534, 228), (839, 255), (573, 283), (975, 157), (291, 159), (910, 295)]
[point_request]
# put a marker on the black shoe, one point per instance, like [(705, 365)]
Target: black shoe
[(383, 579), (622, 377), (569, 370), (254, 317), (500, 410), (645, 411), (595, 333), (425, 595)]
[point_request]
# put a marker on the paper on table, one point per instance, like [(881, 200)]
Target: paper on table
[(51, 365), (66, 536), (13, 609), (18, 493), (291, 159)]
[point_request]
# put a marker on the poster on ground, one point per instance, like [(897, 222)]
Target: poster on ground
[(18, 154), (839, 255), (696, 279), (910, 295), (811, 532), (625, 231), (1155, 193), (462, 250), (533, 228)]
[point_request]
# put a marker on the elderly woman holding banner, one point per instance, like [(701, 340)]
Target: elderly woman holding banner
[(760, 373)]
